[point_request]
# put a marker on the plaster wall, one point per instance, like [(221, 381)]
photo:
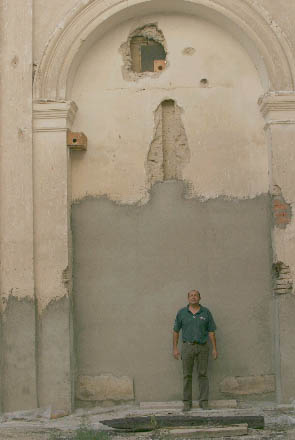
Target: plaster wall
[(48, 17), (282, 157), (133, 266), (18, 375), (240, 172), (139, 248), (281, 14), (222, 122)]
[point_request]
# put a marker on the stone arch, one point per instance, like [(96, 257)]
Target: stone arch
[(248, 22)]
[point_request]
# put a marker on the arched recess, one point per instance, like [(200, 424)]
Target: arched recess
[(248, 22), (273, 58)]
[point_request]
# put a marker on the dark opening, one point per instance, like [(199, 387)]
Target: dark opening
[(204, 82), (147, 55)]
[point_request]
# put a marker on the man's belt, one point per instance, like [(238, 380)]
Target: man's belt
[(194, 343)]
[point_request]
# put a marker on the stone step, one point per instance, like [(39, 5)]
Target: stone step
[(210, 432), (178, 404)]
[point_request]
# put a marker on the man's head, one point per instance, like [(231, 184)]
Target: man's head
[(193, 297)]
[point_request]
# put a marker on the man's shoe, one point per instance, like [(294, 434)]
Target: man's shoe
[(204, 404), (187, 406)]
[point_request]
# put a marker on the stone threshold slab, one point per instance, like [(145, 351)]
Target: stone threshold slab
[(178, 404), (216, 432)]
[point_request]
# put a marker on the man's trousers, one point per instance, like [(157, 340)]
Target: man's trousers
[(191, 354)]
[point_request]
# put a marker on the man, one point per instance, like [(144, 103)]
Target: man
[(196, 323)]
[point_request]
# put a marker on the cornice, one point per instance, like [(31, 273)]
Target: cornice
[(53, 115), (277, 101), (278, 107)]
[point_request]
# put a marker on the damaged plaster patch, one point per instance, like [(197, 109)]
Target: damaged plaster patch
[(61, 291), (66, 278), (149, 31), (282, 211), (17, 294), (282, 278), (188, 51), (104, 387), (169, 151), (247, 385)]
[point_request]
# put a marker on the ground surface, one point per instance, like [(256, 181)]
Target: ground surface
[(36, 425)]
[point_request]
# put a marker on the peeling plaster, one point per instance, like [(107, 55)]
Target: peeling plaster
[(282, 211), (169, 151), (282, 278), (66, 277), (189, 51), (228, 152)]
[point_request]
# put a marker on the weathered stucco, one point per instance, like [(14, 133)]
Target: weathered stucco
[(55, 364), (50, 16), (18, 366), (241, 386), (223, 125), (18, 360), (105, 387), (221, 56)]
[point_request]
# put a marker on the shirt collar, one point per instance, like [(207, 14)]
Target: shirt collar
[(200, 311)]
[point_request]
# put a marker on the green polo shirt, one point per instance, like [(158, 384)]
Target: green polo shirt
[(195, 327)]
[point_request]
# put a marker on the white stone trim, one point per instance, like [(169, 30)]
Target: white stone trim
[(250, 21), (278, 108), (53, 110)]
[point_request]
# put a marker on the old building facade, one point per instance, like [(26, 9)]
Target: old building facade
[(152, 155)]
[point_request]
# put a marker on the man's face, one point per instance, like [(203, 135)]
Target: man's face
[(194, 298)]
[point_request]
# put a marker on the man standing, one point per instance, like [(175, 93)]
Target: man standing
[(196, 323)]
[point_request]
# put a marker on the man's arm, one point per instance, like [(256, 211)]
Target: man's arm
[(213, 342), (176, 353)]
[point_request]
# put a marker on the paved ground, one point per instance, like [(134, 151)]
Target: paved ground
[(36, 425)]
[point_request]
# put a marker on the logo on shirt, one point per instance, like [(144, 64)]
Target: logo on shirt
[(202, 317)]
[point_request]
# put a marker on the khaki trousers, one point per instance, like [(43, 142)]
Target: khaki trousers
[(195, 353)]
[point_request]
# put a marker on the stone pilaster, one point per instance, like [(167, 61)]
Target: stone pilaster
[(53, 255), (18, 375), (278, 109)]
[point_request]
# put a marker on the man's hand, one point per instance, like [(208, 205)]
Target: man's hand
[(176, 353), (213, 342), (214, 354)]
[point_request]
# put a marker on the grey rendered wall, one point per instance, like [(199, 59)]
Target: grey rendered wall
[(133, 266)]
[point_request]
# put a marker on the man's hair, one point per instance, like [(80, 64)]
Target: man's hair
[(194, 290)]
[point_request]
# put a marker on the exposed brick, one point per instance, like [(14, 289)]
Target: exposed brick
[(169, 150), (282, 279), (281, 209)]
